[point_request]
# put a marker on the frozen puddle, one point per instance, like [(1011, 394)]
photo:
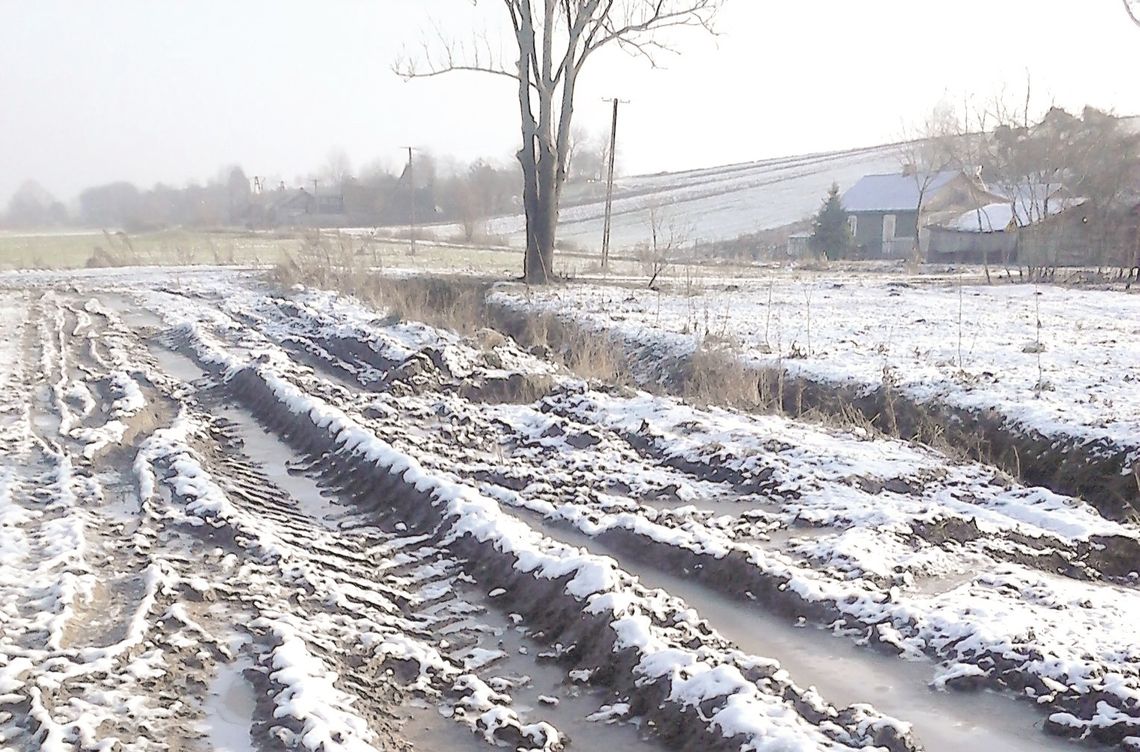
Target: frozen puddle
[(229, 709), (844, 673), (264, 448), (132, 314), (274, 455), (177, 365)]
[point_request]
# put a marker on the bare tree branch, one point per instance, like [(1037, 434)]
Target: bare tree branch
[(554, 39), (445, 55), (1132, 8)]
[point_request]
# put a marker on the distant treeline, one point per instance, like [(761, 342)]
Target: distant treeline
[(235, 199), (432, 191)]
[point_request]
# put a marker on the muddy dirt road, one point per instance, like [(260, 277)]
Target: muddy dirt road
[(245, 519)]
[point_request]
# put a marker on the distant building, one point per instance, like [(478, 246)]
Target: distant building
[(799, 245), (884, 209), (300, 208), (1085, 235), (991, 232)]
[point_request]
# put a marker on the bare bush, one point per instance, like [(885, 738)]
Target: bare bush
[(663, 249)]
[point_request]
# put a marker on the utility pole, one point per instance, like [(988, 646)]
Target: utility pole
[(411, 200), (610, 188)]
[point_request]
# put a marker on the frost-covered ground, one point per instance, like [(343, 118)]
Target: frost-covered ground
[(970, 346), (236, 517)]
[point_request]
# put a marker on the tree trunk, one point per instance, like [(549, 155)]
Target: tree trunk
[(534, 268), (531, 261), (540, 201), (539, 262)]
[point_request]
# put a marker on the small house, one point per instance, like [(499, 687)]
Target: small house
[(300, 208), (799, 245), (883, 210)]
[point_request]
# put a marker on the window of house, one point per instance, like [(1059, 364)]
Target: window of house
[(853, 223)]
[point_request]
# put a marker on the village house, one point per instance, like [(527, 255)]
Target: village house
[(884, 210), (298, 208), (1046, 227)]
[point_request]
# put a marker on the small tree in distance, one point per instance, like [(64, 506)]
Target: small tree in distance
[(831, 235)]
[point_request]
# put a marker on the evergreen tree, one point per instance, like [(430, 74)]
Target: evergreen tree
[(831, 235)]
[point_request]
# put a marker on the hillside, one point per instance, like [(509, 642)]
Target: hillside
[(718, 203)]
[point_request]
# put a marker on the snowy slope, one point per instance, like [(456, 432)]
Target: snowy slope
[(719, 203)]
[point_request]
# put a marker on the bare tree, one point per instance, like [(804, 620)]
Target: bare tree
[(665, 241), (587, 158), (32, 206), (554, 39), (1043, 163), (924, 155), (337, 169)]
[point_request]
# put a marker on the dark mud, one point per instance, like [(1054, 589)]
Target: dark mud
[(554, 617), (1098, 471)]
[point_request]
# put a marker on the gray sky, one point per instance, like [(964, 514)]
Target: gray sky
[(171, 90)]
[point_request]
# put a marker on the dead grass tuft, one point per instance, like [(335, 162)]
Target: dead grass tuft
[(716, 376)]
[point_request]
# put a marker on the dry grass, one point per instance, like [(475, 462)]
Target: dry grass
[(715, 374)]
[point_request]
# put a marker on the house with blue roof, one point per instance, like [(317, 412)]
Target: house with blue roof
[(888, 213)]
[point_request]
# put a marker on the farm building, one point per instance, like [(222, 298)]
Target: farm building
[(884, 209), (799, 245), (1084, 235), (990, 233), (300, 208)]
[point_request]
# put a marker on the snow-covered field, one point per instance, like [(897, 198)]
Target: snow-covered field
[(719, 203), (240, 519), (1059, 361)]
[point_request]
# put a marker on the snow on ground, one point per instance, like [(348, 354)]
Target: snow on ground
[(969, 346), (873, 508), (712, 204), (172, 550)]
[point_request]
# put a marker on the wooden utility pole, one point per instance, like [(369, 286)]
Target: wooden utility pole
[(610, 189), (411, 200)]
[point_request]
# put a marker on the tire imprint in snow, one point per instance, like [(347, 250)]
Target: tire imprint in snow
[(432, 428), (1056, 694), (690, 708)]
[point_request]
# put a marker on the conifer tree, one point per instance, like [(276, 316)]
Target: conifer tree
[(831, 235)]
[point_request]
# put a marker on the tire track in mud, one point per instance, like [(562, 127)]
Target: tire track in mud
[(998, 673), (71, 632), (439, 606), (558, 615), (191, 611), (416, 428)]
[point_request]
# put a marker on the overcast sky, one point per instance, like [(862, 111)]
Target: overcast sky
[(171, 90)]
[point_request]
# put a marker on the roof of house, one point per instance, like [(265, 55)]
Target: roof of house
[(893, 192), (1029, 194), (298, 197), (998, 217)]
